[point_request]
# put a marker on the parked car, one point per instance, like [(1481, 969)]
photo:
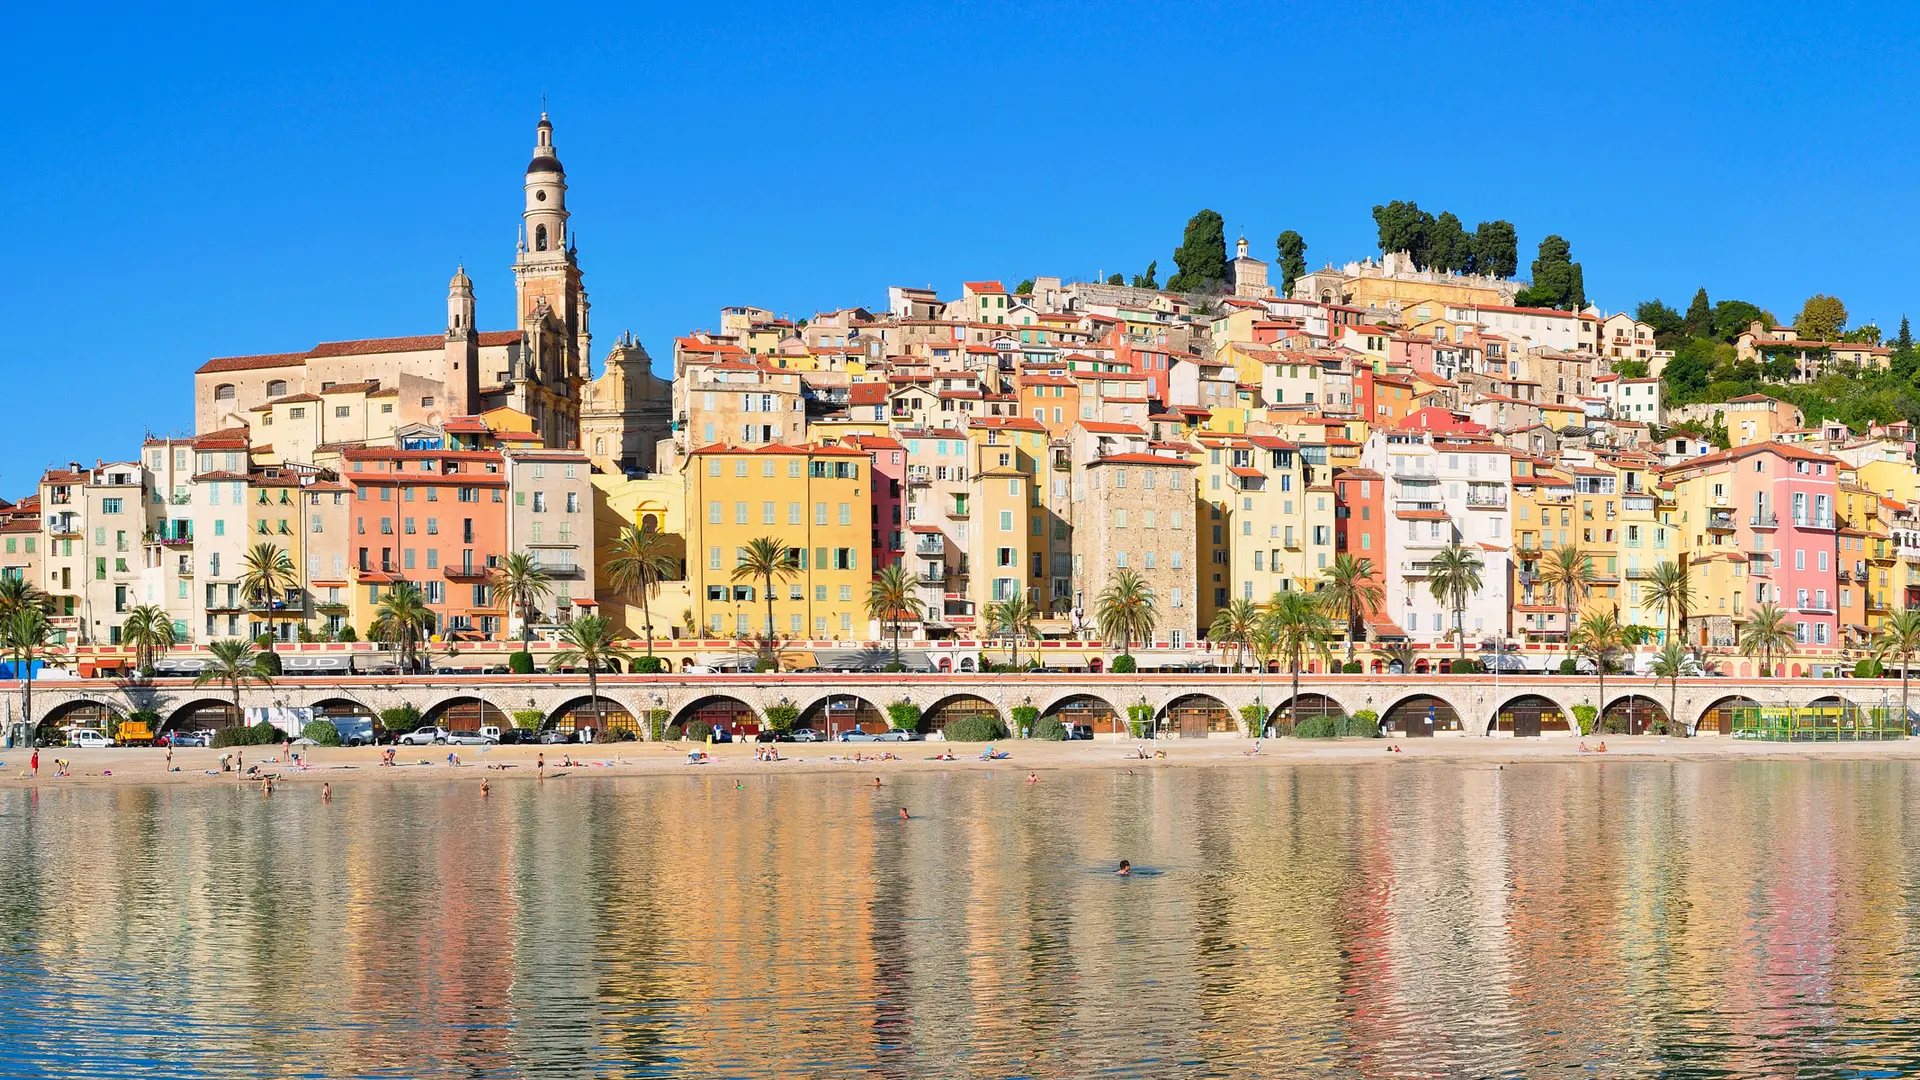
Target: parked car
[(807, 734), (424, 736), (515, 736), (770, 735), (186, 738), (553, 737), (891, 735), (1079, 731), (467, 738), (87, 739)]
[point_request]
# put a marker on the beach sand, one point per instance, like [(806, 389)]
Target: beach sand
[(510, 764)]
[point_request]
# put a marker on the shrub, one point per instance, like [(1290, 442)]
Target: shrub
[(347, 634), (623, 734), (781, 716), (762, 665), (1354, 667), (1568, 667), (1364, 724), (400, 718), (263, 641), (657, 724), (649, 665), (1049, 728), (1583, 716), (264, 734), (1468, 667), (894, 666), (674, 733), (1868, 669), (519, 663), (1140, 720), (1615, 724), (699, 731), (528, 718), (903, 716), (980, 728), (1253, 718), (1024, 718), (1315, 727), (1124, 664), (268, 663), (322, 732), (232, 736)]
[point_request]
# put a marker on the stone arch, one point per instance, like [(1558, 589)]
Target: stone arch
[(1307, 706), (1532, 714), (1634, 714), (79, 712), (465, 712), (1096, 712), (1717, 717), (952, 707), (719, 711), (1195, 716), (1421, 715), (205, 713), (587, 711), (832, 714)]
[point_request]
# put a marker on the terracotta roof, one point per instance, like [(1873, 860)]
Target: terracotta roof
[(1421, 515), (365, 346), (352, 387), (989, 287), (1143, 459), (252, 363), (1101, 427)]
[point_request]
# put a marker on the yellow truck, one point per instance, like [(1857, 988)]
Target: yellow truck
[(135, 733)]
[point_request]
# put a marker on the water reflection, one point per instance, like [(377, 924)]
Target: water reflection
[(1628, 918)]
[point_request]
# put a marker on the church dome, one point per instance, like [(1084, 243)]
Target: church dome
[(545, 163)]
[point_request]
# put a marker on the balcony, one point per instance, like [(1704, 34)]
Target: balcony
[(1061, 463), (1489, 499), (1720, 522), (1767, 520), (1639, 573), (959, 511), (466, 573), (331, 607), (934, 546), (919, 476), (569, 572), (932, 576), (1809, 521)]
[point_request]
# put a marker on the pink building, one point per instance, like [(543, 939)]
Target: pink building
[(888, 477)]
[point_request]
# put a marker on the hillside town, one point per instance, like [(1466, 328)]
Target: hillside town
[(1099, 467)]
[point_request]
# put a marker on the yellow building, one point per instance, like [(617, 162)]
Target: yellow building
[(1012, 538), (814, 499), (651, 504)]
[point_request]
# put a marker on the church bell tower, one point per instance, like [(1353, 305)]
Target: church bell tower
[(548, 266)]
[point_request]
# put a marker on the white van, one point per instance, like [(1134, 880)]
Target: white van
[(88, 739)]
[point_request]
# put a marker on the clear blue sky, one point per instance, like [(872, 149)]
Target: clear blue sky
[(192, 183)]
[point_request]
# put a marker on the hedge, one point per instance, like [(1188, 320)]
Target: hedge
[(1124, 664), (657, 724), (1364, 724), (520, 663), (1253, 718), (699, 731), (1315, 727), (1050, 728), (1354, 667), (1140, 720), (1024, 720), (649, 665), (1868, 669), (903, 716), (978, 728), (400, 718), (675, 733), (782, 716), (1583, 715), (268, 663), (322, 732), (1467, 667)]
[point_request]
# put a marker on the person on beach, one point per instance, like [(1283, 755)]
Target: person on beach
[(1126, 868), (33, 764), (266, 785), (453, 757), (169, 757), (540, 765), (240, 762)]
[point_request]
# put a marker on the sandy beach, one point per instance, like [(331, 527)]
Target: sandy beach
[(509, 764)]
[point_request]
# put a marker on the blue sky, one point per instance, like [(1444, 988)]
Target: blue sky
[(203, 183)]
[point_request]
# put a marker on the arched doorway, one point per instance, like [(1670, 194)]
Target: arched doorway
[(1306, 707), (1634, 714), (1085, 709), (204, 714), (607, 717), (1195, 716), (836, 713), (947, 710), (721, 713), (355, 722), (1420, 716), (1717, 718), (1529, 715), (96, 715), (465, 714)]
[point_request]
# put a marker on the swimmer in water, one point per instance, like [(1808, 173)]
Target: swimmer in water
[(903, 814), (1126, 868), (483, 789), (876, 781), (326, 792), (1033, 778)]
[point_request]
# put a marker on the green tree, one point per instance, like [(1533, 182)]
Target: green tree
[(1568, 571), (1557, 280), (766, 558), (1821, 318), (1670, 590), (1348, 586), (1600, 638), (1672, 661), (1903, 359), (1732, 317), (1403, 226), (402, 620), (1665, 321), (1126, 609), (26, 635), (149, 629), (17, 593), (1293, 260), (1146, 280), (1297, 621), (636, 564), (588, 640), (523, 582), (1201, 258), (1025, 288), (266, 572), (1453, 575), (1699, 320), (1899, 638), (1496, 249), (233, 663), (1016, 615), (1690, 369), (1234, 625), (1765, 633), (1116, 279), (1449, 246), (891, 597)]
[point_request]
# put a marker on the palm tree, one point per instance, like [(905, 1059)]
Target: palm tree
[(1234, 625), (1126, 609), (1599, 638), (1671, 661), (588, 639), (893, 596), (637, 563), (766, 558), (1401, 654), (523, 581), (1899, 636), (149, 629), (1569, 570), (1350, 589), (1016, 615), (1452, 576), (17, 593), (266, 572), (26, 634), (1298, 621), (236, 662), (1765, 632), (1670, 591), (402, 620)]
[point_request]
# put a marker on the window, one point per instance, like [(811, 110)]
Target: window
[(223, 392), (110, 506)]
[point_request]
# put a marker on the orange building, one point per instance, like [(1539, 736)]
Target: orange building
[(437, 518)]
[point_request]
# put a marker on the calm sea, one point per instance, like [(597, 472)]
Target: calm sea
[(1617, 918)]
